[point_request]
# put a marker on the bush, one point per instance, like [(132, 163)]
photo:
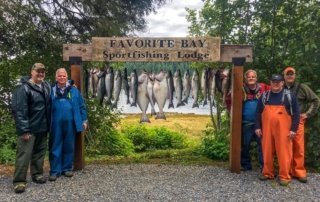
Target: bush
[(312, 141), (216, 143), (155, 138), (8, 137), (102, 138)]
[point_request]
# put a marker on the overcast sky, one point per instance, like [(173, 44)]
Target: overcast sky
[(170, 19)]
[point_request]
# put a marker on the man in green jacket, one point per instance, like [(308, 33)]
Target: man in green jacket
[(309, 105), (31, 110)]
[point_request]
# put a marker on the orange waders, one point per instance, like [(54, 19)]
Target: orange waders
[(298, 169), (276, 123)]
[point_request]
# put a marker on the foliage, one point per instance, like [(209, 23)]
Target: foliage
[(312, 143), (283, 33), (102, 138), (154, 138), (215, 144), (7, 137)]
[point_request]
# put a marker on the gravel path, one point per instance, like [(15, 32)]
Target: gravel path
[(144, 182)]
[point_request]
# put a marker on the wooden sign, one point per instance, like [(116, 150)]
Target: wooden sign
[(77, 50), (236, 51), (113, 49)]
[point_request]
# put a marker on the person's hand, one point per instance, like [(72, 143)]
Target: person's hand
[(26, 136), (303, 116), (85, 126), (258, 132), (292, 135)]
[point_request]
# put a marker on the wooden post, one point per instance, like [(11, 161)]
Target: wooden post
[(77, 77), (236, 114)]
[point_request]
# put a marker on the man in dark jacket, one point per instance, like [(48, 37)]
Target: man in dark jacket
[(309, 104), (32, 118)]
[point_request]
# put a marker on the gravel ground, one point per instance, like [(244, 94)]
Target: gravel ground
[(144, 182)]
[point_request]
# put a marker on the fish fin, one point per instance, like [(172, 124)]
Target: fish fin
[(195, 105), (180, 104), (144, 119), (133, 104), (153, 112), (185, 100), (205, 102), (160, 116)]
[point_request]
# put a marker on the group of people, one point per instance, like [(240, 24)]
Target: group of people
[(274, 117), (41, 108)]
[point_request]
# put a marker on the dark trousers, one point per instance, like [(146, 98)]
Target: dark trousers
[(30, 152), (248, 135)]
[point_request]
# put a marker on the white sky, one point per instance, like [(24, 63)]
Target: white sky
[(170, 19)]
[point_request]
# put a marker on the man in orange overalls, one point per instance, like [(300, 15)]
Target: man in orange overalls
[(309, 104), (277, 121)]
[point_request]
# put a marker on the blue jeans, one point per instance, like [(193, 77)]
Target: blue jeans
[(248, 135)]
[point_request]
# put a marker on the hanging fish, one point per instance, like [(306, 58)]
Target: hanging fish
[(151, 78), (195, 88), (160, 90), (171, 89), (178, 87), (142, 96)]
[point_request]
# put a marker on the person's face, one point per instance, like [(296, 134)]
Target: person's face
[(276, 86), (61, 78), (38, 75), (251, 78), (290, 77)]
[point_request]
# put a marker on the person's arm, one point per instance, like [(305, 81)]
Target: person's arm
[(312, 99), (257, 123), (83, 111), (22, 112), (295, 115)]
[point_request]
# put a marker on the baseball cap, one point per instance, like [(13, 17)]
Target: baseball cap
[(37, 66), (289, 69), (276, 77)]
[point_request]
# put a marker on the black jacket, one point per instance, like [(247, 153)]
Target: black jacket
[(33, 107)]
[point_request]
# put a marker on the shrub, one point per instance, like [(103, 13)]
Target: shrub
[(155, 138), (8, 137), (102, 138), (215, 144)]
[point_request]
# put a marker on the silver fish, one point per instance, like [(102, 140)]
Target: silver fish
[(142, 96), (225, 83), (151, 78), (134, 87), (177, 81), (171, 89), (204, 85), (117, 87), (186, 86), (93, 81), (109, 84), (125, 85), (101, 87), (212, 87), (160, 91), (195, 88)]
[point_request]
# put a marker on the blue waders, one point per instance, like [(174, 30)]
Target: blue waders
[(248, 134), (62, 138)]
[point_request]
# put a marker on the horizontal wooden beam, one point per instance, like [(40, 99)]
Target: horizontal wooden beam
[(227, 52), (236, 51)]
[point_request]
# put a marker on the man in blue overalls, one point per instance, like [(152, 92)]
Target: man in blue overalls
[(69, 117)]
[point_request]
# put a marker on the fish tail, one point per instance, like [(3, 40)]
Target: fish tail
[(195, 105), (144, 119), (180, 104), (170, 105), (161, 116)]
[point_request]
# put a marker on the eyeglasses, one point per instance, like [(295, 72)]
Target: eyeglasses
[(290, 74), (40, 71)]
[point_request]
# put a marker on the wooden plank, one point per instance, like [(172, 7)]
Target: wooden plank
[(200, 49), (77, 77), (236, 118), (77, 50), (231, 51)]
